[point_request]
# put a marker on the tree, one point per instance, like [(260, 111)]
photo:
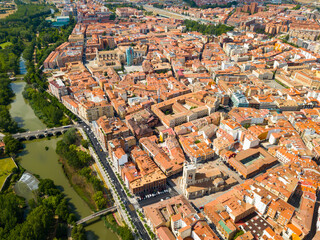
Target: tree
[(12, 145), (86, 171), (70, 136), (62, 210), (297, 7), (61, 147), (207, 29), (62, 231), (37, 224), (112, 16), (84, 158), (99, 199), (6, 92), (71, 218), (45, 108), (11, 212), (125, 233), (78, 232), (47, 187), (71, 155), (85, 143), (238, 234), (7, 124), (96, 183), (52, 202), (191, 3), (75, 158)]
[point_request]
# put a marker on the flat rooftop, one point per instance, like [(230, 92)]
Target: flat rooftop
[(256, 225)]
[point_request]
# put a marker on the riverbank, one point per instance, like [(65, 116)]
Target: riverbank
[(46, 107), (39, 161), (123, 232), (46, 213), (21, 111), (50, 114), (79, 169), (79, 184), (7, 124)]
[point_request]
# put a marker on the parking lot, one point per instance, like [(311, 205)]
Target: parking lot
[(158, 197)]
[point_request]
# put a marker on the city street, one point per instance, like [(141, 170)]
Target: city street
[(103, 158), (102, 155)]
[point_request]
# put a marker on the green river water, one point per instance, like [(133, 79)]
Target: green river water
[(37, 160)]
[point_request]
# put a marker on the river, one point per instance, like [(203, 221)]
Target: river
[(37, 160), (21, 111)]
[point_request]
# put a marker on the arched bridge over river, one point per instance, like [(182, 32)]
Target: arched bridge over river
[(42, 133)]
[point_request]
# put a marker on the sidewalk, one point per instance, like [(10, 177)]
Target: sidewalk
[(114, 193), (95, 166), (107, 182)]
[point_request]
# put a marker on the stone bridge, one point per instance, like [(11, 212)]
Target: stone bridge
[(97, 214), (42, 133)]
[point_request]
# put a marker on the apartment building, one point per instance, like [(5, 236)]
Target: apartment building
[(186, 108)]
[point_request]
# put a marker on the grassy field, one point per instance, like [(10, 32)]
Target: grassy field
[(6, 44), (6, 166), (8, 12)]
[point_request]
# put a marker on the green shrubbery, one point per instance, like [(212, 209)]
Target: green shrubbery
[(99, 199), (7, 124), (49, 113), (13, 145), (68, 150), (207, 29), (123, 232)]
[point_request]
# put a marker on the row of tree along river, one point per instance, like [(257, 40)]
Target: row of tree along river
[(36, 159)]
